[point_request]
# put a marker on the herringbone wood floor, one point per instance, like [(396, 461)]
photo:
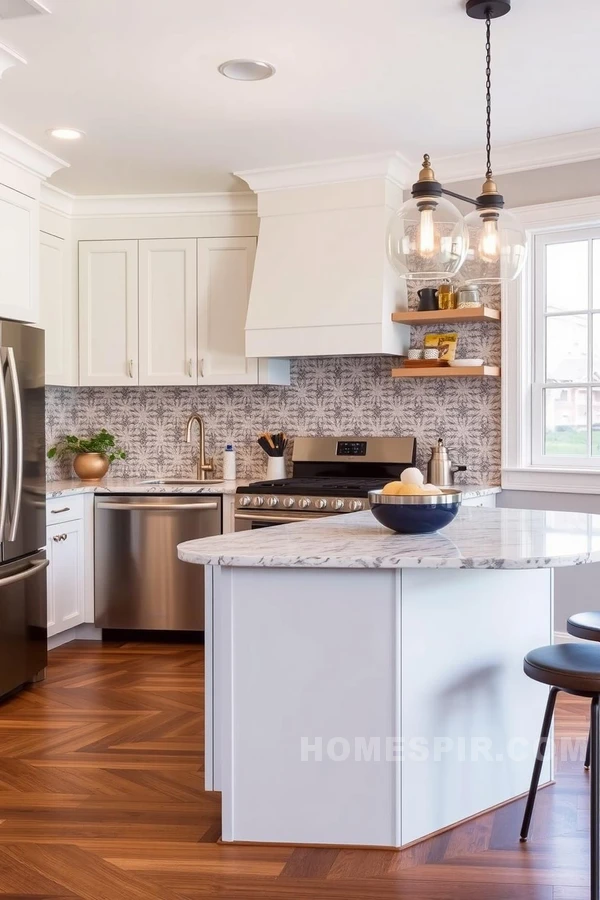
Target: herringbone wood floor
[(101, 798)]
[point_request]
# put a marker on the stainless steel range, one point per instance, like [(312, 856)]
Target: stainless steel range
[(331, 475)]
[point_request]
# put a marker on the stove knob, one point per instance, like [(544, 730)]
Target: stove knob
[(304, 503), (244, 501), (320, 504), (273, 501), (337, 504), (257, 501), (355, 505), (289, 502)]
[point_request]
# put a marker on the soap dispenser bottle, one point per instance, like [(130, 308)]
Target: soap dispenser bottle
[(229, 463)]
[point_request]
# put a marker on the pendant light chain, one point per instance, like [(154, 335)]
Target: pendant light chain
[(488, 96)]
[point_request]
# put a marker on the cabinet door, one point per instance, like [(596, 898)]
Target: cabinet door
[(108, 312), (57, 311), (65, 576), (168, 312), (224, 275), (19, 271)]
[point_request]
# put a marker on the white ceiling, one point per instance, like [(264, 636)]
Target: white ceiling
[(353, 77)]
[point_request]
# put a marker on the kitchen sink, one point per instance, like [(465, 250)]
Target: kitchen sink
[(183, 481)]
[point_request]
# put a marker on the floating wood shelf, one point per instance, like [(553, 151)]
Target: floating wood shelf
[(431, 317), (447, 372)]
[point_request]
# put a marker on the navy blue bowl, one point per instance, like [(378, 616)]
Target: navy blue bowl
[(415, 514)]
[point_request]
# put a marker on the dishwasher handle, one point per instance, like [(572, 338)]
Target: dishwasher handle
[(166, 507)]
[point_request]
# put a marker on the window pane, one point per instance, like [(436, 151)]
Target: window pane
[(567, 276), (567, 348), (596, 340), (595, 422), (565, 422), (596, 273)]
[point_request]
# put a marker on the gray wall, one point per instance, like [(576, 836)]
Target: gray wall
[(548, 185), (576, 588)]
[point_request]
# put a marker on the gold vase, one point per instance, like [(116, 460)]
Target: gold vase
[(91, 466)]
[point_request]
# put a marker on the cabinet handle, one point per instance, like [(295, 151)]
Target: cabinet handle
[(130, 368), (190, 367), (201, 368), (55, 512), (60, 537)]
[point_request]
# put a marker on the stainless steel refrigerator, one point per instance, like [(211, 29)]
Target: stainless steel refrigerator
[(23, 616)]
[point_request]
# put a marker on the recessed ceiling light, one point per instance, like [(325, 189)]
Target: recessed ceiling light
[(65, 134), (246, 69)]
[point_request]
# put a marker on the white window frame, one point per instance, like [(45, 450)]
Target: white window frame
[(540, 315), (523, 465)]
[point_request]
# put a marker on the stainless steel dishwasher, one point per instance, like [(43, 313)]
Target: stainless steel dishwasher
[(139, 582)]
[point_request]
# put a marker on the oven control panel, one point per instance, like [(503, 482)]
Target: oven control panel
[(351, 448)]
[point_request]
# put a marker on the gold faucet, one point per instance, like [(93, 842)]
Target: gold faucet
[(204, 465)]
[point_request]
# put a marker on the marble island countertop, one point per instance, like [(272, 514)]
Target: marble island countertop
[(114, 485), (477, 539)]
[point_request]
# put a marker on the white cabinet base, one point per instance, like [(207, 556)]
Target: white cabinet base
[(83, 632), (370, 707), (70, 576), (66, 576)]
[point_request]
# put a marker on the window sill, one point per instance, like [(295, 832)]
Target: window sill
[(552, 479)]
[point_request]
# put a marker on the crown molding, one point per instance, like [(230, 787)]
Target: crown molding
[(19, 151), (392, 166), (9, 58), (559, 214), (542, 153), (148, 205), (55, 200)]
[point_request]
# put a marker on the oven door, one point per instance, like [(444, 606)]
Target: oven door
[(249, 521)]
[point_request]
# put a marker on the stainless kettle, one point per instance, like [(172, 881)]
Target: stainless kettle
[(440, 468)]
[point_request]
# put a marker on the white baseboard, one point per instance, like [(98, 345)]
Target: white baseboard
[(563, 637), (83, 632)]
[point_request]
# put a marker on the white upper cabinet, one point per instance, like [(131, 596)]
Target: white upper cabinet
[(19, 238), (224, 276), (168, 312), (108, 312), (57, 314)]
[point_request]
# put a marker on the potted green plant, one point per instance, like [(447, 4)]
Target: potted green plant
[(92, 455)]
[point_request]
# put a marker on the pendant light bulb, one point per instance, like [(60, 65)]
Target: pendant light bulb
[(427, 232), (489, 244)]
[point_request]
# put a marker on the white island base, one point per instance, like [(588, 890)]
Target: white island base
[(369, 706)]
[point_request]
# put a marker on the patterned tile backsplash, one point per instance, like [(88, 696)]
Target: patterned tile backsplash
[(342, 395)]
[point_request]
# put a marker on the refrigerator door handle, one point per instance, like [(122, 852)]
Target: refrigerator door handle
[(12, 365), (4, 451), (29, 572)]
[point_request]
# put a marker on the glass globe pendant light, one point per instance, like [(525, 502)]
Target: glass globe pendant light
[(497, 246), (426, 237)]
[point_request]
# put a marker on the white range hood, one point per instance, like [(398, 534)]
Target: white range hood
[(322, 284)]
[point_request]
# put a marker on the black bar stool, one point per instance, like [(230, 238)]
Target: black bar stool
[(574, 669), (586, 626)]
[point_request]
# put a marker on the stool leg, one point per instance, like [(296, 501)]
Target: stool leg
[(595, 800), (586, 764), (539, 761)]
